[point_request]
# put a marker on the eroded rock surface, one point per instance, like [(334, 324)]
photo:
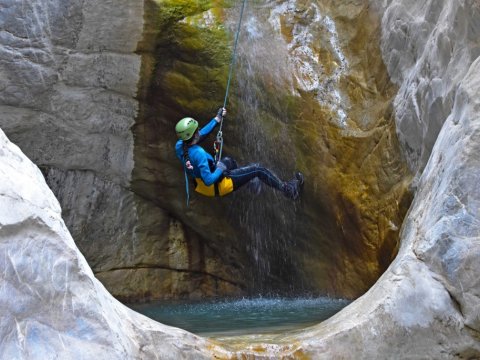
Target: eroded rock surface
[(426, 305), (68, 88), (67, 99), (310, 92), (52, 305), (428, 48), (104, 84)]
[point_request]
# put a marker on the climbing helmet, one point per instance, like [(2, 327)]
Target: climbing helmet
[(186, 127)]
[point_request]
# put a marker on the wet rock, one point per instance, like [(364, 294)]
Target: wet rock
[(103, 89), (304, 78), (426, 304), (70, 73)]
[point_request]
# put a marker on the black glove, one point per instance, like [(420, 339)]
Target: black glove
[(221, 113), (221, 166)]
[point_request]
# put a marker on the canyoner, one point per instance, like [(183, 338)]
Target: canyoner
[(217, 176)]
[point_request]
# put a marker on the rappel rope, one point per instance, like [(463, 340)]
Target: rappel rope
[(218, 145), (186, 184)]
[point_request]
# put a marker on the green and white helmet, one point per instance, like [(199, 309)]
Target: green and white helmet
[(186, 127)]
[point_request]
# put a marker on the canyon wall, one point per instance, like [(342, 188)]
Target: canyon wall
[(68, 97), (52, 305), (91, 92), (426, 303), (310, 92), (428, 49)]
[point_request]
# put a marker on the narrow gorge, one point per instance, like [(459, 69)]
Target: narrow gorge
[(376, 102)]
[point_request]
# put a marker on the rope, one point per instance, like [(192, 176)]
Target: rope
[(230, 72), (186, 185)]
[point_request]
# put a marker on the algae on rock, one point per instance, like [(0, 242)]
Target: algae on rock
[(334, 124), (309, 93)]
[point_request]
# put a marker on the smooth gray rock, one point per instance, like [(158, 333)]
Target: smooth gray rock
[(428, 47), (52, 305), (427, 304), (69, 72)]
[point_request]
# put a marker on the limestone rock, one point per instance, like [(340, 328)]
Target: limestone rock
[(52, 305), (310, 92), (426, 304), (104, 85), (68, 88), (68, 76), (428, 49)]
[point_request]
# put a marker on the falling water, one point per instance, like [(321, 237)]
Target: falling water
[(269, 63), (270, 231)]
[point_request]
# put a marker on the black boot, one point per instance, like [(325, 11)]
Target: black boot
[(292, 188)]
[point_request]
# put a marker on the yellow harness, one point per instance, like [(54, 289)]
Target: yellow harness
[(221, 188)]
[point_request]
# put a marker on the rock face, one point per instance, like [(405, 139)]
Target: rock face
[(428, 49), (52, 305), (66, 77), (68, 82), (104, 85), (310, 93), (426, 305)]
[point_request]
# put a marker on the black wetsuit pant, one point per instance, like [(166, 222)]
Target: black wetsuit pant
[(242, 175)]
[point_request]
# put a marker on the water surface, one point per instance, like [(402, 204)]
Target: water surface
[(244, 316)]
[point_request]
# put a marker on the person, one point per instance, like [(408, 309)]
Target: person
[(224, 176)]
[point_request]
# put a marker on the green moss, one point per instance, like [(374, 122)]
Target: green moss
[(181, 85), (210, 47), (186, 56), (172, 11), (354, 175)]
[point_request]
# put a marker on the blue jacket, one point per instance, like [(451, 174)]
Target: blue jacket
[(202, 162)]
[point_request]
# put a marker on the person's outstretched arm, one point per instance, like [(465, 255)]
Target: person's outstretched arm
[(207, 129)]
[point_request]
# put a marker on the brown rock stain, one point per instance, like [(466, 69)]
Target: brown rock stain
[(357, 182)]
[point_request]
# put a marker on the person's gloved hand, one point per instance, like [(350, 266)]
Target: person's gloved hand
[(220, 114), (221, 166), (189, 165)]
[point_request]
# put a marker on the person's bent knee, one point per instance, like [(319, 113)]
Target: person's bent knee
[(255, 166), (230, 163)]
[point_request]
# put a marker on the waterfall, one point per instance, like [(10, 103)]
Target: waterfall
[(264, 136), (285, 50)]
